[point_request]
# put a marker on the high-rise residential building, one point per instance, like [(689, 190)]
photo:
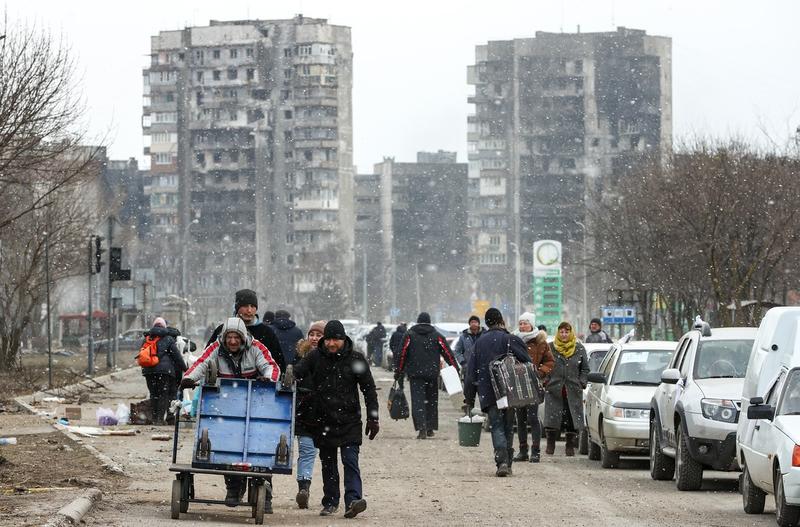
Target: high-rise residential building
[(249, 131), (556, 118), (423, 237)]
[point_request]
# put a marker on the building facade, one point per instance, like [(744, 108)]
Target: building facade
[(555, 118), (250, 139)]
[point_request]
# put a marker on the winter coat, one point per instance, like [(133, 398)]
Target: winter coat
[(422, 347), (288, 335), (335, 381), (540, 354), (571, 374), (599, 336), (466, 345), (396, 341), (254, 361), (304, 401), (492, 345), (170, 361), (265, 335), (375, 338)]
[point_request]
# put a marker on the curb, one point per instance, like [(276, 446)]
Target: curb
[(72, 513)]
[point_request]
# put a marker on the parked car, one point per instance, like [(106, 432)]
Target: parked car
[(768, 434), (128, 341), (617, 400), (596, 353), (694, 411)]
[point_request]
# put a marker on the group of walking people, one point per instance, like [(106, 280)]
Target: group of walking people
[(329, 374)]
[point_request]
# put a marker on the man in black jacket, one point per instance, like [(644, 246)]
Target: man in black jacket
[(419, 359), (288, 334), (337, 372), (396, 343), (375, 344), (492, 345), (162, 379), (246, 308)]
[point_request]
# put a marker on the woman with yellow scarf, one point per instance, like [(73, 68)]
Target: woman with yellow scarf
[(564, 390)]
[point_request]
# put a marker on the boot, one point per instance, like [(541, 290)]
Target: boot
[(422, 434), (535, 455), (550, 449), (502, 459), (303, 492), (571, 441), (523, 453), (235, 487)]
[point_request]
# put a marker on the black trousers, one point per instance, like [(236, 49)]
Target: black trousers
[(425, 403), (163, 389), (528, 419)]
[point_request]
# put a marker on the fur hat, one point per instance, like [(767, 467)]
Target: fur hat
[(245, 297), (334, 330), (424, 318), (493, 317)]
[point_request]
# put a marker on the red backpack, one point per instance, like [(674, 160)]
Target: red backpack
[(148, 353)]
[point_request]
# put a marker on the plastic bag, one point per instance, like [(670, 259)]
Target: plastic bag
[(123, 414), (106, 417)]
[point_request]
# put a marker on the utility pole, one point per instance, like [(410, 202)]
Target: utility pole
[(416, 276), (47, 288), (365, 310), (109, 349), (89, 319)]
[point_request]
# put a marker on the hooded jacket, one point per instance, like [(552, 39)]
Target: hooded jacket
[(265, 335), (396, 340), (422, 347), (253, 361), (335, 379), (170, 361), (288, 335)]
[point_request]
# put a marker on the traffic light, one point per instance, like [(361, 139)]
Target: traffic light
[(98, 253), (115, 271)]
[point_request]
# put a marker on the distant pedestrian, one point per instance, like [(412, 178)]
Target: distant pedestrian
[(564, 391), (162, 379), (396, 343), (528, 417), (596, 333), (375, 344), (304, 418), (542, 327), (466, 341), (269, 318), (494, 344), (422, 347), (288, 334), (337, 373)]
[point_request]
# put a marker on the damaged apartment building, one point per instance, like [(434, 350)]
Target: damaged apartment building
[(556, 117), (248, 125)]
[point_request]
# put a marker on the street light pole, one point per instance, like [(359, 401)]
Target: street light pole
[(47, 289), (517, 279), (584, 313), (364, 309), (416, 276)]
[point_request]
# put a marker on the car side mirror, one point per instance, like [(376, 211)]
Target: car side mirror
[(670, 376), (599, 378), (760, 411)]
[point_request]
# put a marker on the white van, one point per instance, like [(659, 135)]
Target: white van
[(768, 434)]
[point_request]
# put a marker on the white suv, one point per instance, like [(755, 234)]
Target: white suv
[(695, 409)]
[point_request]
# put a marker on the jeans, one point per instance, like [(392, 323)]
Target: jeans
[(330, 475), (425, 403), (306, 454), (528, 419), (163, 389), (502, 423)]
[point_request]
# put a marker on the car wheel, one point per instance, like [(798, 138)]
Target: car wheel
[(785, 515), (608, 459), (752, 497), (594, 448), (662, 467), (583, 442), (689, 473)]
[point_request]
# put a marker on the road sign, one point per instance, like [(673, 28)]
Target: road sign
[(625, 315)]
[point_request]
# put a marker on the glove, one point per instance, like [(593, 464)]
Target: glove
[(372, 429), (467, 407), (398, 375), (187, 383)]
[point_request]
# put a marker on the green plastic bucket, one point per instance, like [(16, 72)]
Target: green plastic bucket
[(469, 434)]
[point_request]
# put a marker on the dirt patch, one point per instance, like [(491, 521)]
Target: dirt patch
[(31, 374)]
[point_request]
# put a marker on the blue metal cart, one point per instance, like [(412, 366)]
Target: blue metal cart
[(244, 428)]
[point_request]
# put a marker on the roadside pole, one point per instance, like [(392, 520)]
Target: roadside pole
[(90, 320)]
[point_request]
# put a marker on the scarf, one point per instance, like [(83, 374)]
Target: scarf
[(527, 336), (565, 348)]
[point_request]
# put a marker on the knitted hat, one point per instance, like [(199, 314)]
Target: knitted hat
[(319, 325), (528, 317), (334, 330), (596, 321), (269, 317), (159, 322), (282, 314), (475, 318), (245, 297), (493, 317), (424, 318)]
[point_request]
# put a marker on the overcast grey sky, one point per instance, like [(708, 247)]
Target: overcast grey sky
[(735, 62)]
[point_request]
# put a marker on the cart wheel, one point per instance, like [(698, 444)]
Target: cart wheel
[(252, 491), (186, 485), (282, 452), (204, 446), (176, 499), (211, 374), (261, 502)]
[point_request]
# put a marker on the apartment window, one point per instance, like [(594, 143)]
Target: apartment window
[(251, 74), (199, 56), (287, 73), (199, 97), (216, 75), (309, 155), (287, 114), (163, 158), (199, 76), (170, 97), (232, 73), (285, 94), (233, 115), (215, 53), (306, 69), (578, 66), (287, 52), (287, 136), (290, 237), (235, 177), (290, 259), (234, 53), (200, 157), (217, 157), (234, 156)]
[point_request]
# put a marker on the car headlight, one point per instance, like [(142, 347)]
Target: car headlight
[(629, 413), (719, 410)]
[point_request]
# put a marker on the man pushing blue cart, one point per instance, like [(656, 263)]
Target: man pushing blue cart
[(245, 425)]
